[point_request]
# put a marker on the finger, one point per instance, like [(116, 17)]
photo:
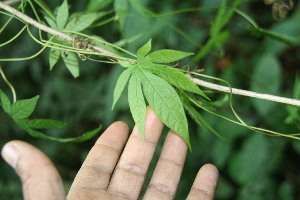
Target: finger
[(40, 179), (96, 170), (166, 176), (130, 173), (205, 184)]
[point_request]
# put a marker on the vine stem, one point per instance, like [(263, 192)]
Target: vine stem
[(113, 55), (246, 92), (10, 2)]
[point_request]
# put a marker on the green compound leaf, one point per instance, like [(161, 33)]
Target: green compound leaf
[(173, 76), (62, 15), (5, 102), (23, 108), (53, 57), (167, 56), (137, 103), (37, 134), (121, 83), (144, 50), (166, 103), (82, 21), (71, 61), (42, 123)]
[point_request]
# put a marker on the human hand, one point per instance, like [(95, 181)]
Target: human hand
[(107, 175)]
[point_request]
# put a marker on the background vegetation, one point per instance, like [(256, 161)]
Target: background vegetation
[(252, 166)]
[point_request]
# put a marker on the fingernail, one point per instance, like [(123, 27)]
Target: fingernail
[(10, 154)]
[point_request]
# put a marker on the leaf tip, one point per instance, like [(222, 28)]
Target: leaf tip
[(190, 147), (145, 49), (113, 105), (188, 142), (206, 97), (75, 75)]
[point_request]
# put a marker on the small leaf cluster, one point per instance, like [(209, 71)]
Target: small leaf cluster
[(151, 79), (21, 110), (77, 22)]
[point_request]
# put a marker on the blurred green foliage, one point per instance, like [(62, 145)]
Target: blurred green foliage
[(251, 166)]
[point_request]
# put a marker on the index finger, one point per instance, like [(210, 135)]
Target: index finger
[(130, 173)]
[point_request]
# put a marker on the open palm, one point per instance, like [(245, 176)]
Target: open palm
[(107, 175)]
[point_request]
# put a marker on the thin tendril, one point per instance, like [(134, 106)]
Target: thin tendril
[(25, 58), (240, 121), (37, 16), (102, 41), (102, 61), (256, 129), (6, 23), (47, 43), (15, 37), (9, 85)]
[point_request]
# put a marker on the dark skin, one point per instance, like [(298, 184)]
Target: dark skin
[(115, 168)]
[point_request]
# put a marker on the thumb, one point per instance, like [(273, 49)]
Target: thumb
[(39, 177)]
